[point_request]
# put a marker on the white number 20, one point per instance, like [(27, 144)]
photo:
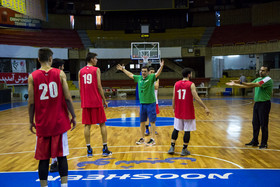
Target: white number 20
[(52, 89)]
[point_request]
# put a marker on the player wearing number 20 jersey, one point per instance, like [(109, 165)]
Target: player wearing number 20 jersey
[(51, 113), (184, 108)]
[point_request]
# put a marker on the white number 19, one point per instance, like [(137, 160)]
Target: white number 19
[(87, 78)]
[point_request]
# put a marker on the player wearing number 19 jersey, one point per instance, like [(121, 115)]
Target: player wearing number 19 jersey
[(92, 100), (183, 94)]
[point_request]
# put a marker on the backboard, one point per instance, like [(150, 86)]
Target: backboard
[(145, 52)]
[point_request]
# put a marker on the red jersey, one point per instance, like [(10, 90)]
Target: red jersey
[(90, 96), (51, 114), (184, 108)]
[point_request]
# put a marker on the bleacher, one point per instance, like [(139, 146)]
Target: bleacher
[(242, 34), (163, 83), (74, 91), (41, 38), (172, 37)]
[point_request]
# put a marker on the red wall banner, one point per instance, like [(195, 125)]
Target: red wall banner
[(14, 78)]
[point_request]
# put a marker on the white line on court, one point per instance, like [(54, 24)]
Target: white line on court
[(219, 159), (163, 153), (169, 121), (139, 146)]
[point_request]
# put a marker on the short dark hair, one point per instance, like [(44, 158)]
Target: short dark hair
[(44, 54), (151, 68), (57, 62), (90, 56), (145, 67), (186, 72), (267, 67)]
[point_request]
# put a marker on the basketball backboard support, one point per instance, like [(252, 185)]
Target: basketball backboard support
[(145, 52)]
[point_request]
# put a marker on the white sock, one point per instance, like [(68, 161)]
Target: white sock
[(54, 160), (64, 185)]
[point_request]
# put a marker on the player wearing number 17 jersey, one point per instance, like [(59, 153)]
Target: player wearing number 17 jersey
[(184, 120), (92, 101), (49, 99)]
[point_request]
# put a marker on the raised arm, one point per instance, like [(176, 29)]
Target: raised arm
[(100, 89), (68, 99), (197, 98), (173, 99), (79, 79), (121, 68), (31, 106), (244, 84), (160, 69), (157, 85)]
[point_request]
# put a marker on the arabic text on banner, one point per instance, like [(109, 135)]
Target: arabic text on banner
[(14, 78)]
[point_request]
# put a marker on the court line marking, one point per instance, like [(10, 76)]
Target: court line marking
[(204, 99), (86, 170), (228, 120), (139, 146), (219, 159), (130, 152), (137, 105)]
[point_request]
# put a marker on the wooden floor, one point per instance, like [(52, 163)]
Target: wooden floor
[(218, 141)]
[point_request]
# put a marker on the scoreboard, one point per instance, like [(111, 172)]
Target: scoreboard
[(130, 5)]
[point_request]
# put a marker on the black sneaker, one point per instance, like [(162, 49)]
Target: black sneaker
[(263, 147), (141, 141), (54, 167), (89, 153), (106, 153), (171, 150), (147, 132), (185, 152), (151, 142), (252, 144)]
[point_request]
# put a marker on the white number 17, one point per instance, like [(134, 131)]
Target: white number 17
[(180, 96)]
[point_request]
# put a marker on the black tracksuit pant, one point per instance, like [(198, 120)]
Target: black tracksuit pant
[(260, 120)]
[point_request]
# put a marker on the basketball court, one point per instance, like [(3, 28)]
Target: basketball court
[(218, 155)]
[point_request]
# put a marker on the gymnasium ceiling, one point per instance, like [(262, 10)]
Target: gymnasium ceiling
[(86, 7)]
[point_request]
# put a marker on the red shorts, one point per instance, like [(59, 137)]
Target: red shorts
[(51, 147), (157, 109), (93, 116)]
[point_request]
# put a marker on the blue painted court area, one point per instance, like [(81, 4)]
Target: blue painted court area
[(12, 105), (151, 177), (275, 100), (135, 122), (118, 103)]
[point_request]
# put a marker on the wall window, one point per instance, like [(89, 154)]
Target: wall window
[(218, 18), (72, 22), (98, 19)]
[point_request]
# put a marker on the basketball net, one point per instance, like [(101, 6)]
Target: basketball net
[(146, 61)]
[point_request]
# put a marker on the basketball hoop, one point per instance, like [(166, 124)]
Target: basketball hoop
[(146, 53), (145, 59)]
